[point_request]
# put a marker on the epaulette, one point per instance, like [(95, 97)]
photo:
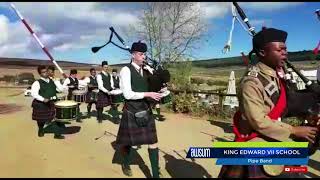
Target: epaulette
[(253, 71)]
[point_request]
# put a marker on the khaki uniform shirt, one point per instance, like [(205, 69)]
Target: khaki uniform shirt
[(255, 104)]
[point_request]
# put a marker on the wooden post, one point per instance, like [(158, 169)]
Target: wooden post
[(221, 100)]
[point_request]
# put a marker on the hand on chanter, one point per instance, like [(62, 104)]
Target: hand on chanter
[(306, 132)]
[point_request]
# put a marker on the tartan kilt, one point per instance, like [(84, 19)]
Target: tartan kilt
[(43, 112), (131, 134), (103, 100), (88, 97)]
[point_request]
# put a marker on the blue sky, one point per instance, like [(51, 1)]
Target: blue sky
[(69, 30)]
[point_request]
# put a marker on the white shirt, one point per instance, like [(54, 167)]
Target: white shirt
[(100, 82), (35, 87), (67, 82), (58, 84), (125, 83), (87, 79)]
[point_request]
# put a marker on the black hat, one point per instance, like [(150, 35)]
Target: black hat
[(73, 71), (114, 70), (104, 63), (139, 46), (267, 35)]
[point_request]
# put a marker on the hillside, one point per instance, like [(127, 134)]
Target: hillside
[(237, 61), (37, 62), (207, 63)]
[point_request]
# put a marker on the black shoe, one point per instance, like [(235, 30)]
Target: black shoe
[(89, 115), (126, 170), (79, 120), (58, 136), (40, 133)]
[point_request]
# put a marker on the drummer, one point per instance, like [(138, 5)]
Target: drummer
[(56, 81), (114, 106), (44, 93), (92, 84), (72, 83), (105, 85), (116, 78)]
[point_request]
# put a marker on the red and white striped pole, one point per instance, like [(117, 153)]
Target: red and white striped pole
[(38, 40)]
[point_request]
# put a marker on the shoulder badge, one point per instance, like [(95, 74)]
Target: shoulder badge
[(253, 71)]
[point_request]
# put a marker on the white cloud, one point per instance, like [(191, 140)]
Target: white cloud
[(4, 35), (260, 22), (60, 26), (215, 9), (269, 6), (66, 26)]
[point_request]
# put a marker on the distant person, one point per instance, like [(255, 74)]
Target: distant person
[(56, 81), (72, 84), (116, 79), (114, 106), (44, 93), (51, 74), (91, 95), (105, 85)]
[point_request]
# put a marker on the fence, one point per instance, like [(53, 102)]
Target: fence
[(219, 93)]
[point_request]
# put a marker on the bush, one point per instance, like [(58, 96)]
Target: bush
[(188, 104), (180, 79), (182, 103), (197, 80), (26, 76), (210, 82), (8, 78)]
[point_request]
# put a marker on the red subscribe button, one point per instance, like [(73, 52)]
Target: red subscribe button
[(296, 169)]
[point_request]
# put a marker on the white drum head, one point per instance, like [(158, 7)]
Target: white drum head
[(66, 103)]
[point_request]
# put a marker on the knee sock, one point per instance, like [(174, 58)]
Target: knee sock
[(154, 159)]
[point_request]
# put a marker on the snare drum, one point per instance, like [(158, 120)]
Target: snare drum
[(116, 96), (166, 97), (79, 96), (61, 96), (66, 110)]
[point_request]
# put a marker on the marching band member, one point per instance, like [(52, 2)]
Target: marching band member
[(72, 83), (105, 85), (137, 126), (44, 93), (51, 74), (92, 84)]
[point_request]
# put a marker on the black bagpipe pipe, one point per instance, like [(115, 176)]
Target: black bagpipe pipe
[(300, 103), (159, 77)]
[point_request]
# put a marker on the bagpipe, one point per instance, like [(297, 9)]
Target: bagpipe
[(158, 76), (304, 104)]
